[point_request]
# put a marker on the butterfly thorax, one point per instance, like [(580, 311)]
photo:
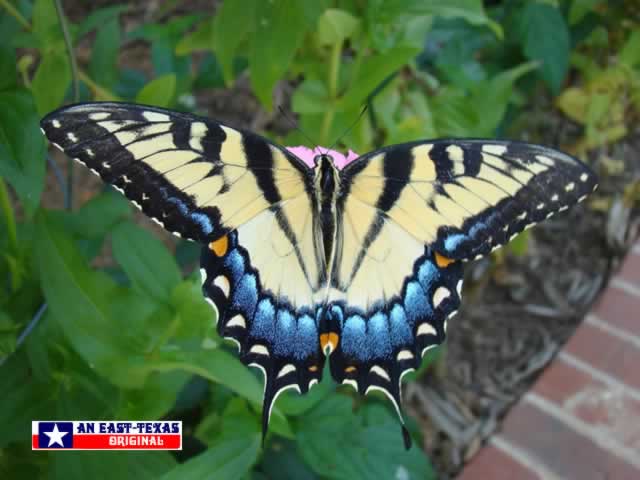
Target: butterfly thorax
[(327, 184)]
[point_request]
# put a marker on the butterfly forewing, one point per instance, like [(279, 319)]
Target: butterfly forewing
[(200, 179), (467, 197)]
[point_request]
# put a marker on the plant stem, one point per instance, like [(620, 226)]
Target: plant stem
[(69, 46), (334, 69), (11, 10), (168, 333), (76, 87), (97, 90)]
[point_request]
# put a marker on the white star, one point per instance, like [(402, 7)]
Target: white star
[(55, 436)]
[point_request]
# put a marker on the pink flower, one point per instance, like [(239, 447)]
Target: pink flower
[(307, 155)]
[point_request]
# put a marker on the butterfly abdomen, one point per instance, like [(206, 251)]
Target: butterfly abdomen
[(327, 184)]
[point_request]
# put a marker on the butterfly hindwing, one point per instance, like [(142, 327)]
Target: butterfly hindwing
[(261, 287), (467, 197), (200, 179)]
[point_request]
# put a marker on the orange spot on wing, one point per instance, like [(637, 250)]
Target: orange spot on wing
[(313, 368), (443, 261), (329, 340), (220, 246), (350, 369)]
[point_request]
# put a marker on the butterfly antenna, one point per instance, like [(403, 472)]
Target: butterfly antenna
[(296, 127), (351, 127)]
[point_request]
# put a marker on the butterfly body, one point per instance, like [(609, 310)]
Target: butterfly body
[(307, 256)]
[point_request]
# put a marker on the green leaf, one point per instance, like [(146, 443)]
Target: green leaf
[(545, 37), (221, 367), (372, 432), (470, 10), (231, 25), (104, 54), (580, 8), (520, 245), (159, 92), (101, 214), (477, 113), (51, 81), (311, 96), (490, 109), (145, 260), (373, 71), (44, 23), (229, 460), (237, 421), (22, 148), (154, 400), (282, 460), (8, 79), (197, 317), (336, 26), (630, 53), (97, 18), (77, 298), (24, 399), (138, 465), (280, 28), (293, 404), (199, 39)]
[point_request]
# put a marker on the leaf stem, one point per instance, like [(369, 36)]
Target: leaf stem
[(76, 87), (13, 11), (97, 90), (69, 46), (168, 333)]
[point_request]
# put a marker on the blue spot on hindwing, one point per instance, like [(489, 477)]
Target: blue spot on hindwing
[(235, 263), (204, 222), (452, 241), (306, 339), (416, 304), (245, 296), (263, 325), (354, 338), (400, 332), (379, 335), (427, 274), (184, 210), (336, 317), (285, 333), (476, 228)]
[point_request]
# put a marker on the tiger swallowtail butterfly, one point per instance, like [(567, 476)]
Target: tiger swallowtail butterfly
[(308, 254)]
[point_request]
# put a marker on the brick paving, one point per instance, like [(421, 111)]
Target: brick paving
[(581, 420)]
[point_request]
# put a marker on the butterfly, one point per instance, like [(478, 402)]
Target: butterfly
[(307, 257)]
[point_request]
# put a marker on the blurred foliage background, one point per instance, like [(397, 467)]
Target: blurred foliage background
[(101, 319)]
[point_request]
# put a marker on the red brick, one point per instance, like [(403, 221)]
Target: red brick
[(563, 451), (607, 353), (630, 270), (606, 408), (492, 463), (620, 309), (561, 382)]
